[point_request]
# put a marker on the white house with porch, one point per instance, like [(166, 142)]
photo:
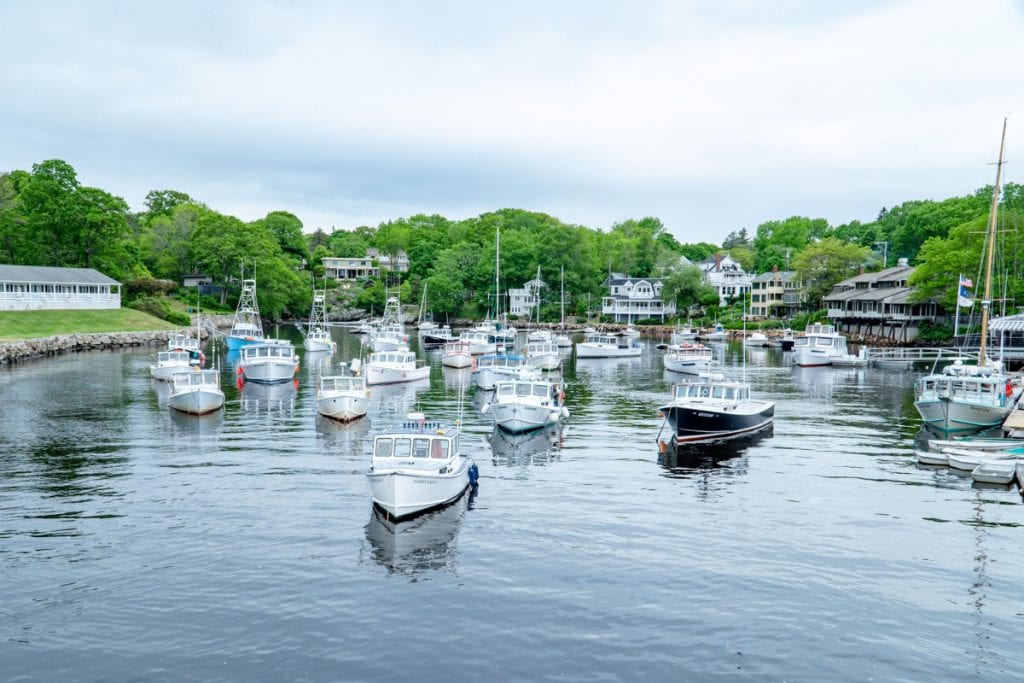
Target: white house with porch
[(522, 301), (27, 288), (636, 298), (726, 276)]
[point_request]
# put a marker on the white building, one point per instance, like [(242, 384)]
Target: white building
[(349, 267), (726, 276), (24, 288), (633, 299), (522, 301), (398, 264)]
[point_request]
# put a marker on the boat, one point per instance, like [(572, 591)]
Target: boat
[(342, 397), (543, 355), (992, 445), (787, 340), (971, 397), (392, 367), (818, 345), (390, 334), (480, 342), (246, 327), (438, 336), (931, 458), (539, 336), (600, 345), (179, 341), (682, 335), (967, 460), (318, 334), (691, 359), (525, 405), (457, 354), (849, 360), (631, 332), (490, 369), (196, 392), (170, 362), (715, 410), (756, 339), (418, 466), (995, 472), (270, 361)]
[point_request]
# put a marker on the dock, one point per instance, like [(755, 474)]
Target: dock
[(1013, 425)]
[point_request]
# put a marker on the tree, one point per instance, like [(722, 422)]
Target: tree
[(287, 230), (686, 286), (825, 263), (776, 241), (736, 239), (163, 202)]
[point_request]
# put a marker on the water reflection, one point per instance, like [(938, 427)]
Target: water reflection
[(198, 425), (425, 543), (393, 401), (259, 398), (456, 378), (683, 461), (347, 437), (539, 447)]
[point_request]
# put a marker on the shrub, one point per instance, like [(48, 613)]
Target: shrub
[(147, 287), (160, 307), (929, 331)]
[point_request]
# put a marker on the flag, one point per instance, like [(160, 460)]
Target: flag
[(965, 302), (964, 299), (965, 282)]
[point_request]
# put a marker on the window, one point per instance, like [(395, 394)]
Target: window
[(439, 448), (403, 448), (420, 448), (717, 392), (522, 390), (382, 449)]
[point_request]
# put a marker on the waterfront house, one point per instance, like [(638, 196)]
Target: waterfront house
[(399, 263), (880, 304), (349, 268), (775, 294), (727, 277), (633, 299), (522, 301), (24, 288)]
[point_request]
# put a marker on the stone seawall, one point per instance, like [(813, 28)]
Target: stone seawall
[(13, 352)]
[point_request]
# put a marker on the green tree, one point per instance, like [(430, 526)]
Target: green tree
[(287, 230), (686, 286), (825, 263), (163, 202)]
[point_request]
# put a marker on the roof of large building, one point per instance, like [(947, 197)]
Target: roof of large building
[(51, 275), (616, 279), (887, 275), (786, 275)]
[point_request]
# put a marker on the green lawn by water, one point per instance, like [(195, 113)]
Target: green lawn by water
[(17, 325)]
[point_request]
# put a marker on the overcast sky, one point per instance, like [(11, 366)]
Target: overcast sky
[(709, 115)]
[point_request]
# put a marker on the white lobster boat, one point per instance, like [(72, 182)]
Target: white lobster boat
[(196, 392), (525, 405), (391, 335), (270, 361), (418, 466), (392, 367), (543, 355), (689, 358), (246, 328), (480, 342), (342, 397), (491, 369), (182, 342), (819, 345), (457, 354), (965, 398), (170, 362), (318, 334), (608, 346)]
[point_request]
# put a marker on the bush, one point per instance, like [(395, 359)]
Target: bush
[(929, 331), (147, 287), (160, 307)]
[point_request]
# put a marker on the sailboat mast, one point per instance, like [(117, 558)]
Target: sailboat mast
[(986, 302), (497, 269)]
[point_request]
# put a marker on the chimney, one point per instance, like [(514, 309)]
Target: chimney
[(861, 269), (718, 262), (775, 269), (902, 262)]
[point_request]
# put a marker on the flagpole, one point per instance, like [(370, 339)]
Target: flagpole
[(956, 319)]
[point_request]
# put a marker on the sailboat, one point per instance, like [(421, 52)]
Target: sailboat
[(424, 325), (246, 328), (318, 334), (964, 397), (503, 332), (561, 339)]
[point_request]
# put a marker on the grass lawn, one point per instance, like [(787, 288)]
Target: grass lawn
[(17, 325)]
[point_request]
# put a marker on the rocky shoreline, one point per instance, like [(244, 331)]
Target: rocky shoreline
[(27, 349)]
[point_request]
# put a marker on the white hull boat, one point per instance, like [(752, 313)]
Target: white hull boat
[(991, 445), (318, 334), (319, 342), (756, 340), (168, 363), (268, 362), (523, 405), (608, 346), (196, 392), (819, 345), (247, 328), (393, 367), (480, 343), (967, 460), (932, 458), (997, 472), (342, 397), (543, 355), (457, 354), (489, 370), (418, 466)]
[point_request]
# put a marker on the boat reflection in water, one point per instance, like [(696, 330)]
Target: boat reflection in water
[(456, 377), (683, 460), (346, 437), (539, 447), (258, 398), (200, 425), (393, 401), (424, 543)]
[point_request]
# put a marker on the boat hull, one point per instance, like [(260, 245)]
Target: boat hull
[(403, 493), (710, 423), (376, 374), (197, 402), (235, 342), (344, 407), (519, 417), (947, 416), (585, 350), (545, 361), (318, 345), (995, 472), (165, 373), (811, 357), (688, 366), (268, 373), (457, 360)]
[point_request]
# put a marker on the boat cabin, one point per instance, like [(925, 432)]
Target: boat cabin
[(178, 341), (619, 341), (393, 358), (417, 441), (504, 361), (541, 392), (193, 381), (981, 388), (342, 383), (477, 336), (541, 348), (726, 391), (173, 357), (267, 352)]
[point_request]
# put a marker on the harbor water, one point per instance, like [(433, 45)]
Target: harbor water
[(137, 543)]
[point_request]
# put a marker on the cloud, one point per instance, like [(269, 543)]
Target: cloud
[(713, 116)]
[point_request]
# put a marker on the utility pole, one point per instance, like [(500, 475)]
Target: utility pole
[(885, 254)]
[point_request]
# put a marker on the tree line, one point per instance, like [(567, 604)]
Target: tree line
[(47, 217)]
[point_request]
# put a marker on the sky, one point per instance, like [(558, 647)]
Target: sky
[(712, 116)]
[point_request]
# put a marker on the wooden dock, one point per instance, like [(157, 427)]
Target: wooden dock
[(1013, 425)]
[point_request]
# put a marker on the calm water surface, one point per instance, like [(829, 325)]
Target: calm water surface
[(140, 544)]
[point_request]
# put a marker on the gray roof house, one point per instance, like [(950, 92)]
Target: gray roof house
[(24, 288)]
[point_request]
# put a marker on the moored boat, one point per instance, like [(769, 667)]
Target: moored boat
[(170, 362), (270, 361), (689, 358), (490, 369), (457, 354), (318, 334), (342, 397), (715, 410), (524, 405), (608, 346), (995, 472), (819, 345), (931, 457), (543, 355), (392, 367), (196, 392), (246, 328), (418, 466)]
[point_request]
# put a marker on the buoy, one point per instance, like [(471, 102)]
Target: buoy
[(662, 446), (474, 474)]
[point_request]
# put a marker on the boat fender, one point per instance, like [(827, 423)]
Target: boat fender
[(565, 412), (474, 474), (485, 409), (561, 395)]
